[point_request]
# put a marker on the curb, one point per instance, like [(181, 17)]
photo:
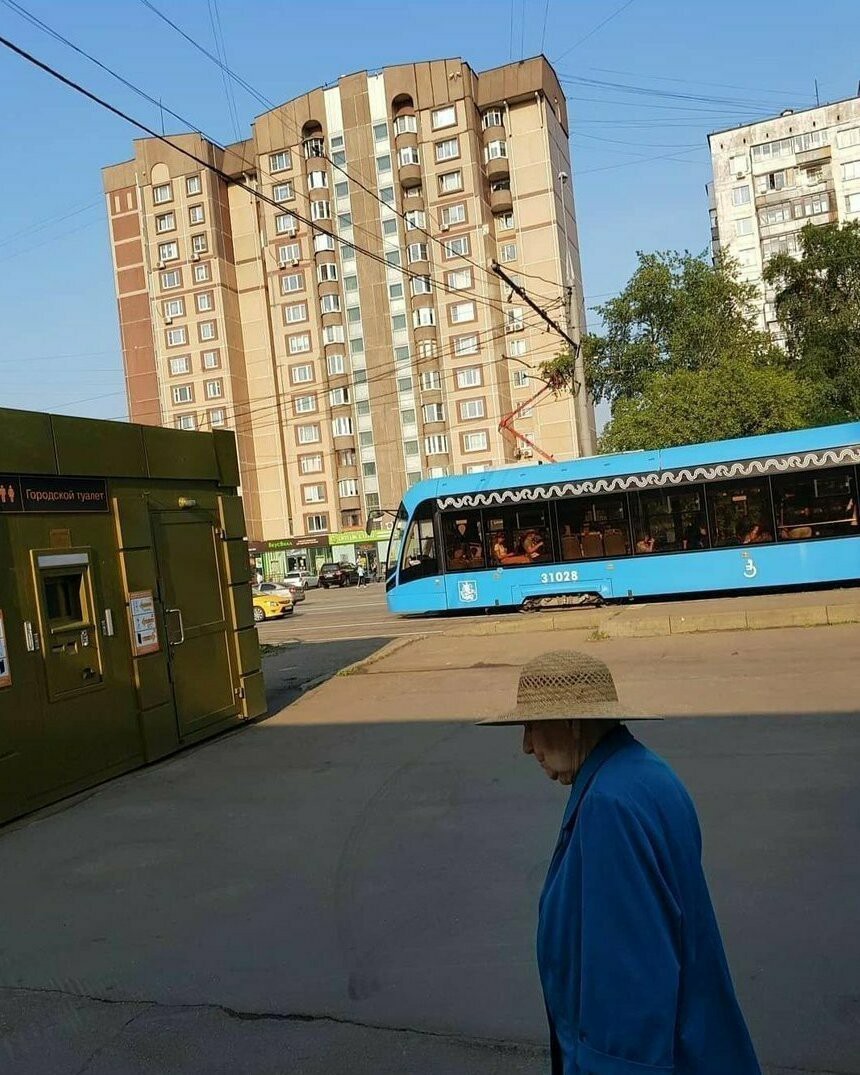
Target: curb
[(390, 648)]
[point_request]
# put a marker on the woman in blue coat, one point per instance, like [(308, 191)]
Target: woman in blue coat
[(631, 961)]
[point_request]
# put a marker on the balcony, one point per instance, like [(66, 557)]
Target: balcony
[(498, 165), (501, 198), (314, 150), (409, 175)]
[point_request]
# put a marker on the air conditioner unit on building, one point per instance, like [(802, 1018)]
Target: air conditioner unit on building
[(195, 256), (526, 453), (295, 261), (282, 264), (168, 320), (443, 227), (291, 232), (159, 264)]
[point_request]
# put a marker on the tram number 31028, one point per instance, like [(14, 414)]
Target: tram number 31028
[(559, 576)]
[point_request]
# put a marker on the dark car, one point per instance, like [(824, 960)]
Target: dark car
[(338, 575)]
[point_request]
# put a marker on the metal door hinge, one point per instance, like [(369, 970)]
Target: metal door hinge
[(239, 692)]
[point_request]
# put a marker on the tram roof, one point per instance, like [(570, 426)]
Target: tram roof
[(596, 466)]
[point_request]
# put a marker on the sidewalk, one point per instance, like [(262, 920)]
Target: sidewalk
[(656, 618)]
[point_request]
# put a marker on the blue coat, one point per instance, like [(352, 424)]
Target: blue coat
[(631, 961)]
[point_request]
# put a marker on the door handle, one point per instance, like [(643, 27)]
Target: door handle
[(181, 639)]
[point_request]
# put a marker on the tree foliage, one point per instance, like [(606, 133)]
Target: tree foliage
[(818, 306)]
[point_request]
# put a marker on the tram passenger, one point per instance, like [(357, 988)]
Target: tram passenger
[(645, 543), (533, 545)]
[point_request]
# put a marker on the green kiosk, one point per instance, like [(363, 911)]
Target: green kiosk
[(126, 629)]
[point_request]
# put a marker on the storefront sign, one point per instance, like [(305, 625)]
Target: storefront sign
[(358, 537), (315, 541), (144, 626), (51, 495), (5, 671)]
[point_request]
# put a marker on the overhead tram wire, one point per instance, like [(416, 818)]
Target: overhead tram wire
[(272, 107), (592, 32)]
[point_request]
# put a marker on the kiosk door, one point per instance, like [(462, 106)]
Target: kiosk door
[(195, 618)]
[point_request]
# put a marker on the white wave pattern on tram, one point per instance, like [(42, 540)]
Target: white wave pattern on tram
[(656, 479)]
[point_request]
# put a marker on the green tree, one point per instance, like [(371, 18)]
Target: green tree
[(818, 306)]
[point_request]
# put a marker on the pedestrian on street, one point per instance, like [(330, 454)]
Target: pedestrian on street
[(631, 961), (360, 572)]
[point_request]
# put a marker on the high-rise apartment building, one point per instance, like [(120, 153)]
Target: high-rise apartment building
[(771, 178), (346, 324)]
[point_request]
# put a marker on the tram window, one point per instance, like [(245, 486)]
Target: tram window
[(464, 541), (419, 550), (519, 535), (816, 504), (64, 600), (591, 527), (670, 520), (740, 512)]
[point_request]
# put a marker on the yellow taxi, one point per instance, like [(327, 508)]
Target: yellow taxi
[(271, 606)]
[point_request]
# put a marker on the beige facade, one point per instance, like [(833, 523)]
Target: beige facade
[(351, 333), (771, 178)]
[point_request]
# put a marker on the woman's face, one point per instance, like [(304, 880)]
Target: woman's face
[(557, 746)]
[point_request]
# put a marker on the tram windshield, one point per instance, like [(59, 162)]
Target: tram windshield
[(396, 540)]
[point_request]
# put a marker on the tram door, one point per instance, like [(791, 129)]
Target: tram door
[(191, 591)]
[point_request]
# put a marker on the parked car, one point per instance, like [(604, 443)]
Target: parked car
[(270, 606), (338, 575), (295, 590), (302, 578)]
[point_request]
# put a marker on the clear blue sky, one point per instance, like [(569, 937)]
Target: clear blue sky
[(640, 160)]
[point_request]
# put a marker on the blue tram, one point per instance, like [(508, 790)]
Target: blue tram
[(755, 513)]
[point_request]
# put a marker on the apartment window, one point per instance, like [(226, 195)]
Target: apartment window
[(852, 203), (398, 322), (186, 421), (199, 243), (475, 442), (317, 523), (298, 311), (205, 302), (168, 251), (317, 180), (812, 206), (738, 164), (342, 427), (350, 283), (280, 161), (471, 409), (356, 345), (462, 311), (162, 193), (775, 214), (436, 444), (443, 117), (389, 228), (211, 360), (302, 374), (741, 195), (347, 487), (408, 155), (459, 280), (213, 389), (338, 397), (406, 125), (350, 519), (196, 214), (171, 279), (782, 244), (313, 494), (368, 470), (421, 285), (401, 354), (851, 170), (282, 192), (206, 330), (491, 118), (514, 319), (495, 150), (336, 364), (454, 214), (285, 224), (347, 458), (508, 252), (341, 190), (323, 241), (847, 138), (775, 181), (433, 412), (416, 252), (193, 185), (404, 384), (458, 247), (505, 221), (424, 317), (321, 210), (517, 348), (449, 182), (174, 308), (365, 438), (431, 380), (327, 273), (330, 304), (288, 253), (744, 226), (338, 159), (299, 345), (470, 377), (177, 337), (416, 218), (466, 345), (183, 393), (310, 464), (392, 258), (380, 132), (180, 364), (292, 282), (447, 150), (202, 273), (305, 404), (217, 417), (308, 434), (781, 147), (333, 334), (165, 222)]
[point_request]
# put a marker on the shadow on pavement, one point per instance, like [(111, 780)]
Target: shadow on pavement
[(291, 669)]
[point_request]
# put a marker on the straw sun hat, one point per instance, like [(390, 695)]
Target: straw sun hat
[(565, 685)]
